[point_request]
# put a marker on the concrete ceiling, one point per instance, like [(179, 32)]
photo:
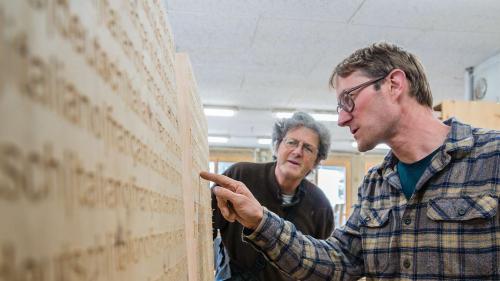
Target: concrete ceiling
[(261, 55)]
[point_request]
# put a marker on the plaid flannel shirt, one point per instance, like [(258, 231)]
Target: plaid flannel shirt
[(448, 230)]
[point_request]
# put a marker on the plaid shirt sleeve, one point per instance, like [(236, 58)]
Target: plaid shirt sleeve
[(337, 258), (448, 230)]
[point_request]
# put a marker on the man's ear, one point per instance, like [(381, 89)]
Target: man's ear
[(398, 82)]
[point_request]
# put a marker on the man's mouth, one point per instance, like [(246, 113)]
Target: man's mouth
[(294, 162)]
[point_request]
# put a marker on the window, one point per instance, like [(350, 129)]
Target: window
[(211, 166), (222, 166), (332, 181)]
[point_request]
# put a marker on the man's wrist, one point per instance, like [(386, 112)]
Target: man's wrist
[(258, 220), (268, 230), (259, 225)]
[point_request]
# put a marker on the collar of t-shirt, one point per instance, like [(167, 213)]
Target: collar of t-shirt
[(292, 199), (287, 198), (409, 174)]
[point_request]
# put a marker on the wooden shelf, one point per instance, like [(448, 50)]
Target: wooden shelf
[(477, 113)]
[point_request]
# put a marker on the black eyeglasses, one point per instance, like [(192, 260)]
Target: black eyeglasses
[(345, 100)]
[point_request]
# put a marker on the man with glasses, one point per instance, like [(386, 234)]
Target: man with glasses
[(429, 211), (299, 144)]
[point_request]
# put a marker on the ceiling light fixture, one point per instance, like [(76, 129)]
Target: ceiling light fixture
[(330, 117), (219, 111), (283, 114), (382, 146), (378, 146), (264, 140), (217, 139)]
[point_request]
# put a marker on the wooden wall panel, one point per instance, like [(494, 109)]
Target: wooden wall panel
[(196, 190), (481, 114), (91, 157)]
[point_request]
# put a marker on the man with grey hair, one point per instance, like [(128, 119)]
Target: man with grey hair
[(299, 144)]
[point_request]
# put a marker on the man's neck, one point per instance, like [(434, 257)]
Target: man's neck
[(287, 186), (419, 134)]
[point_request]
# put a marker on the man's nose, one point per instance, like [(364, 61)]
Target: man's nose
[(299, 149), (344, 118)]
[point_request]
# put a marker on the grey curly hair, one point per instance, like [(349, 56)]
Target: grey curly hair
[(301, 119)]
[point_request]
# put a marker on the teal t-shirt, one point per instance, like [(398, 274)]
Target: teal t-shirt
[(409, 174)]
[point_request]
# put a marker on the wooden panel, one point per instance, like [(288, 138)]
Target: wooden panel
[(91, 150), (196, 191), (372, 161), (477, 113), (232, 155)]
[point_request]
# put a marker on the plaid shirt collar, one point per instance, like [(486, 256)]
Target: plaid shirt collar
[(458, 143)]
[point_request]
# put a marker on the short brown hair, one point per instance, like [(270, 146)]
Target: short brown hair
[(378, 59)]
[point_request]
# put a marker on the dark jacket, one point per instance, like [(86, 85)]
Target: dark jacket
[(310, 211)]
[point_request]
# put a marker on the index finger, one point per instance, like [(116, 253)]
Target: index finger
[(220, 180)]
